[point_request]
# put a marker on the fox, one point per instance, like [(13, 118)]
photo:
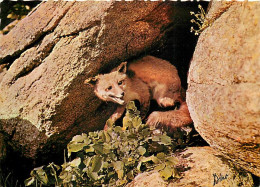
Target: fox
[(145, 79)]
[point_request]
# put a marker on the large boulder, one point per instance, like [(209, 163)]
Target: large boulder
[(201, 166), (48, 55), (224, 83)]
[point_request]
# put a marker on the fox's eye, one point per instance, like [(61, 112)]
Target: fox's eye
[(120, 82), (109, 88)]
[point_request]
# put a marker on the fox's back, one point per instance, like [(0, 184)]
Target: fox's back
[(154, 70)]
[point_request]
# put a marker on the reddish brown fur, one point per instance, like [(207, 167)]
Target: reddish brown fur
[(171, 119), (161, 76), (151, 69)]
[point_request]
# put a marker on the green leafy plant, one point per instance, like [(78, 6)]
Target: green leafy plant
[(200, 20), (113, 157)]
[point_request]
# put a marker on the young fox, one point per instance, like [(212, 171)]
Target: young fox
[(145, 79)]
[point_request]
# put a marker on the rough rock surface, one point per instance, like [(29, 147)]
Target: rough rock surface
[(203, 167), (224, 83), (48, 55)]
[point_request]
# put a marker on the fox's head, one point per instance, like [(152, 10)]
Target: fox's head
[(111, 86)]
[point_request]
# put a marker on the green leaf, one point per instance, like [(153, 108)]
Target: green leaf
[(87, 161), (120, 173), (137, 121), (112, 156), (110, 174), (76, 162), (166, 173), (131, 106), (68, 168), (118, 165), (145, 159), (65, 176), (81, 138), (159, 167), (132, 136), (175, 173), (146, 133), (155, 160), (42, 176), (105, 165), (107, 146), (110, 123), (156, 138), (96, 164), (75, 147), (118, 129), (92, 175), (89, 149), (165, 140), (141, 150), (172, 160), (119, 168), (107, 136), (29, 181), (126, 122), (160, 155), (98, 148)]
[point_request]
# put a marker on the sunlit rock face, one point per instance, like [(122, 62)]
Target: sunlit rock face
[(224, 83), (47, 56)]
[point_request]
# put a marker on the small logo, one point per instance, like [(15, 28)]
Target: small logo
[(219, 178)]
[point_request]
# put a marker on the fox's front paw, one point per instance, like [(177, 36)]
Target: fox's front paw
[(166, 102), (153, 119), (161, 120)]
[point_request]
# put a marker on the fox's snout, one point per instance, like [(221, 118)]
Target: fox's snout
[(117, 95)]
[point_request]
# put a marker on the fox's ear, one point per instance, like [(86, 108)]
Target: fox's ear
[(122, 67), (91, 81)]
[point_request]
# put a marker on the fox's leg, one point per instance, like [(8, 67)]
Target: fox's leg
[(116, 115), (166, 96), (144, 108), (165, 102), (171, 119)]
